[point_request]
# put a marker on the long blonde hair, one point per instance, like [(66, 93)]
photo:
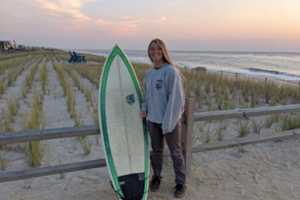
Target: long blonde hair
[(163, 47), (165, 53)]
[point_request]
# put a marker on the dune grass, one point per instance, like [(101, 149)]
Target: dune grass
[(243, 128), (91, 72), (44, 77), (13, 75), (275, 118), (13, 62), (88, 94), (230, 92), (29, 79), (11, 109), (89, 98), (2, 87), (289, 122), (12, 68), (68, 92), (13, 104), (71, 104), (257, 125), (9, 114), (220, 133), (34, 121), (10, 77), (3, 161)]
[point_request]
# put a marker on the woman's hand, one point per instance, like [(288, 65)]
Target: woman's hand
[(143, 114)]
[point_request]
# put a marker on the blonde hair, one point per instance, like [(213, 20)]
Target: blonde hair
[(163, 47), (165, 53)]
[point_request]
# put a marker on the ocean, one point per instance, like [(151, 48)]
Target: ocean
[(282, 66)]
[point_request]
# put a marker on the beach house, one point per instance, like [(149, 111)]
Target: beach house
[(6, 45)]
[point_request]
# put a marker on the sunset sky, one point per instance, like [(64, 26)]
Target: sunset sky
[(230, 25)]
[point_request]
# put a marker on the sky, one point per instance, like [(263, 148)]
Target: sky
[(205, 25)]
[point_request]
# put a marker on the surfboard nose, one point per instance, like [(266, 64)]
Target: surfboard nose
[(116, 46)]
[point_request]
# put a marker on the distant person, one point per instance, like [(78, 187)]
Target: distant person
[(163, 106)]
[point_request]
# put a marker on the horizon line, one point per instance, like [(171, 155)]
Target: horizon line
[(176, 50), (203, 51)]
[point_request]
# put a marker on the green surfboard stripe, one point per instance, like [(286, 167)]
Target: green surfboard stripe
[(102, 115), (102, 92)]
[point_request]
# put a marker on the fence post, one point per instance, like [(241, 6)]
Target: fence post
[(299, 89), (236, 77), (267, 95), (187, 132)]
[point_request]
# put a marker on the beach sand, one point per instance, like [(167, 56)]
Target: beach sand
[(263, 171)]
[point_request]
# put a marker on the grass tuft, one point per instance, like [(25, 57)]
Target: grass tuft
[(289, 122), (34, 121), (243, 128), (44, 78)]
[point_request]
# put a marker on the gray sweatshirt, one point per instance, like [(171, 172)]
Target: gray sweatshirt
[(164, 96)]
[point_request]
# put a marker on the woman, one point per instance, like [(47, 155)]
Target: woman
[(163, 106)]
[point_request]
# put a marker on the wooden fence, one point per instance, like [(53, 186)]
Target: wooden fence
[(187, 134)]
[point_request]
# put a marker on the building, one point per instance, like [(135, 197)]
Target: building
[(6, 45)]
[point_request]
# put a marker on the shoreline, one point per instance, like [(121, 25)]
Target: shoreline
[(257, 77), (253, 72)]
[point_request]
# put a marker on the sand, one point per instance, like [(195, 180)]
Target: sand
[(14, 91)]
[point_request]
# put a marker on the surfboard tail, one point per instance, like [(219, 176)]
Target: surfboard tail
[(132, 186)]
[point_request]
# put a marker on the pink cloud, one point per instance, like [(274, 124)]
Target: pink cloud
[(124, 26), (128, 25), (70, 8)]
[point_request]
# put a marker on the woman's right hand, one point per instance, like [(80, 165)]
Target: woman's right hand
[(143, 114)]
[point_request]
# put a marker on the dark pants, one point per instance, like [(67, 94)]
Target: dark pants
[(173, 142)]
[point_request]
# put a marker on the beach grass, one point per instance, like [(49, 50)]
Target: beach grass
[(257, 125), (29, 79), (12, 62), (34, 121), (2, 87), (6, 126), (10, 69), (13, 75), (220, 133), (275, 118), (289, 122), (230, 92), (71, 103), (44, 77), (68, 92), (3, 161), (88, 94), (86, 146), (91, 72), (243, 128), (9, 114)]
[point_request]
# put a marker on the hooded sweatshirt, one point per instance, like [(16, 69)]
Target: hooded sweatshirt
[(164, 96)]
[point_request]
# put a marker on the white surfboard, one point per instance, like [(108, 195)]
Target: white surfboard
[(124, 136)]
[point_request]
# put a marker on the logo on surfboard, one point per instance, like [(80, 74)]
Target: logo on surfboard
[(130, 99)]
